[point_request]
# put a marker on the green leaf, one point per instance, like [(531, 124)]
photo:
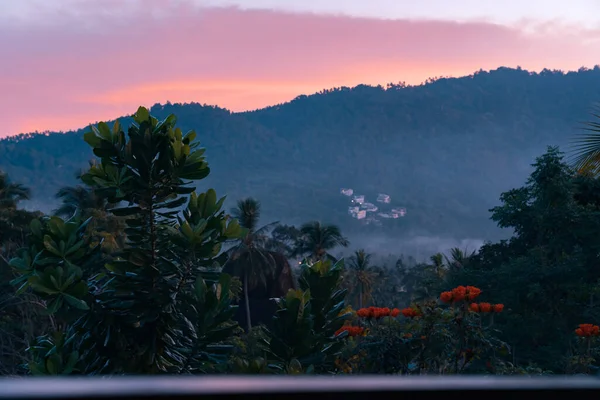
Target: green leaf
[(142, 114), (201, 288), (75, 302)]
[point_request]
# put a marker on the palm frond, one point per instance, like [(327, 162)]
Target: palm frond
[(586, 148)]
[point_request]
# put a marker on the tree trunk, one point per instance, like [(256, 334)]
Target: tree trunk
[(360, 297), (247, 301)]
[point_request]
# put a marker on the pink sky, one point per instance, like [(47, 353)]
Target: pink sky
[(78, 68)]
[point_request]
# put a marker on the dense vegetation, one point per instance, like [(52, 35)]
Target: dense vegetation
[(443, 150), (128, 282)]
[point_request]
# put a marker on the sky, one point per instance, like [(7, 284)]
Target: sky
[(68, 63)]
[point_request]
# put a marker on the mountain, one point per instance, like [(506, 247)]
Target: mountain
[(444, 150)]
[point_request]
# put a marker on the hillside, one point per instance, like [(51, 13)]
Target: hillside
[(444, 150)]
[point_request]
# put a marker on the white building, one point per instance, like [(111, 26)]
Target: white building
[(400, 211), (369, 207), (358, 199), (353, 210), (347, 192), (384, 198)]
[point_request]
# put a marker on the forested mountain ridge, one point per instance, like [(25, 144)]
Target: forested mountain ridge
[(445, 150)]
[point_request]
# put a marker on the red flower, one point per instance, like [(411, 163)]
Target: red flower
[(395, 312), (446, 297), (410, 312), (498, 308), (364, 313), (474, 307), (485, 307), (587, 330), (459, 293), (352, 330), (374, 312), (472, 292)]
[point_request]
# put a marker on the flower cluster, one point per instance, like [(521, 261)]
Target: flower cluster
[(486, 307), (460, 293), (410, 312), (377, 312), (587, 330), (352, 330)]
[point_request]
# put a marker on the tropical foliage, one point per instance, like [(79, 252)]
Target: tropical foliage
[(164, 296)]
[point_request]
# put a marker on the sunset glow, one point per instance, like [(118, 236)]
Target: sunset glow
[(69, 71)]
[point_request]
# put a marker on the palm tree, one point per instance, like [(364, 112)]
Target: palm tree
[(11, 193), (316, 240), (78, 198), (586, 154), (87, 203), (250, 258), (361, 275), (458, 258)]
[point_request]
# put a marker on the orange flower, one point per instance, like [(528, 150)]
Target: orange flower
[(498, 308), (352, 330), (587, 330), (446, 297), (374, 312), (410, 312), (407, 335), (423, 337), (474, 307), (364, 313), (395, 312), (472, 292), (459, 293), (485, 307)]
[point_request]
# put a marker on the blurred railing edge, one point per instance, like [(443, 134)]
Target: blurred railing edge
[(248, 386)]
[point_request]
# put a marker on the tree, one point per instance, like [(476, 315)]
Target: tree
[(360, 275), (11, 193), (107, 228), (317, 239), (284, 239), (78, 198), (162, 304), (547, 273), (457, 260), (252, 260)]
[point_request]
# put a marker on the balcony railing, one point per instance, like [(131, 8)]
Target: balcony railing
[(296, 388)]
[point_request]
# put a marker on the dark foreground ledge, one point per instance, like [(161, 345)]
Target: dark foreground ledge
[(296, 388)]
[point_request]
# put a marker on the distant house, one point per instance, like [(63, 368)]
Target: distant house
[(369, 207), (400, 211), (353, 210), (347, 192), (361, 214), (384, 198), (385, 215), (358, 199)]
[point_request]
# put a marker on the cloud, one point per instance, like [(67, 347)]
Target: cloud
[(87, 64)]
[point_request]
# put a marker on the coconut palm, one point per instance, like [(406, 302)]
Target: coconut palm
[(360, 275), (458, 259), (586, 153), (11, 193), (87, 203), (250, 258), (316, 240), (78, 198)]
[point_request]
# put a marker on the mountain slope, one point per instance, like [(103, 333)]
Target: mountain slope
[(444, 150)]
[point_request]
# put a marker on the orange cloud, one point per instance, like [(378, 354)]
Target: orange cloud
[(64, 75)]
